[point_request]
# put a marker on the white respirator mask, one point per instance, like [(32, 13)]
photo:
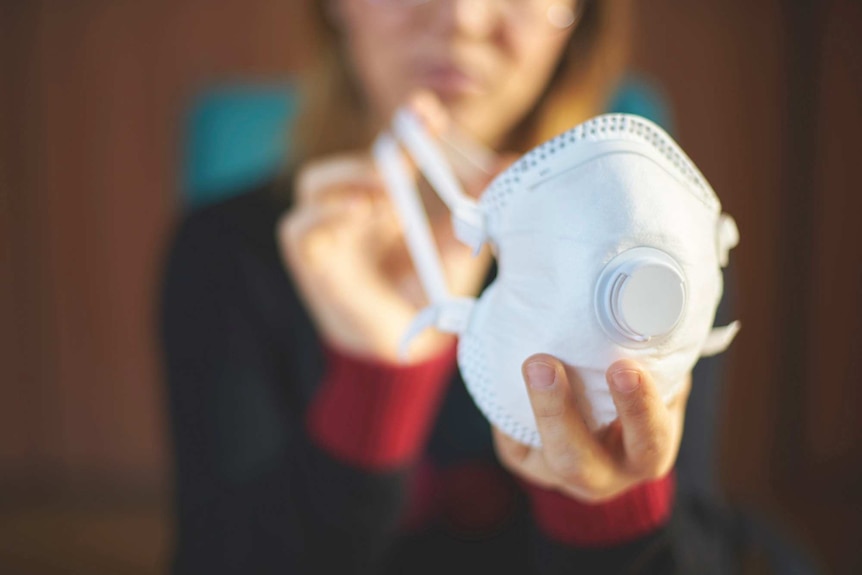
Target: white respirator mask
[(609, 245)]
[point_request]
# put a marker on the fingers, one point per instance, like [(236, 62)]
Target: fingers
[(593, 467), (311, 232), (308, 232), (335, 179), (522, 460), (647, 424), (430, 111), (567, 444)]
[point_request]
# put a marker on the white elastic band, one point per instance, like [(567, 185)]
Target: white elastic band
[(469, 222), (408, 129), (728, 238), (719, 339), (450, 316), (446, 313), (414, 221), (467, 151)]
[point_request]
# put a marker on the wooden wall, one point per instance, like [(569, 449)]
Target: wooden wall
[(92, 95), (92, 110), (767, 97)]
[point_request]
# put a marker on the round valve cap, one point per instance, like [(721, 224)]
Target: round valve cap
[(640, 296)]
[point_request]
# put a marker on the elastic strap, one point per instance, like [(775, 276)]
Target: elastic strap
[(446, 313), (414, 221), (719, 339), (450, 316), (468, 221), (728, 238)]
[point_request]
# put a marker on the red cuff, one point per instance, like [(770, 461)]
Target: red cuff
[(373, 414), (632, 515)]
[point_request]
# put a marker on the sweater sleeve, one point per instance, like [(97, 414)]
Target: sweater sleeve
[(627, 534), (375, 415), (629, 516), (263, 483)]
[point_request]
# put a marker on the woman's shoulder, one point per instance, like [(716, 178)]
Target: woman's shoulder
[(246, 221), (228, 250), (223, 260)]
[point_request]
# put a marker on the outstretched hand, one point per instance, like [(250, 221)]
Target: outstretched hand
[(640, 445), (343, 245)]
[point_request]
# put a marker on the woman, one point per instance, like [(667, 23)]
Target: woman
[(302, 445)]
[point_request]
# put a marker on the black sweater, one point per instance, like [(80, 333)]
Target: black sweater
[(264, 483)]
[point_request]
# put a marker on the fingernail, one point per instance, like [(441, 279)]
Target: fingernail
[(626, 380), (540, 375)]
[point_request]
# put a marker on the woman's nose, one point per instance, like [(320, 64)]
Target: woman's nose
[(474, 18)]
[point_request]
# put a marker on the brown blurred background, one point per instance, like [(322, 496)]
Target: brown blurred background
[(767, 99)]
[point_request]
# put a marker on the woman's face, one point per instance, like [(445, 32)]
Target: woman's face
[(487, 60)]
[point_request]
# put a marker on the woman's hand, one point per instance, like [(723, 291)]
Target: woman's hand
[(343, 245), (640, 445)]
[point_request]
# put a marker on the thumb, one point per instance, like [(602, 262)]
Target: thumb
[(565, 436)]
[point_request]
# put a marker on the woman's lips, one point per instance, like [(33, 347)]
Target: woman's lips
[(450, 80)]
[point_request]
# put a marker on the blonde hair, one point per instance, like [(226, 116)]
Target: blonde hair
[(334, 117)]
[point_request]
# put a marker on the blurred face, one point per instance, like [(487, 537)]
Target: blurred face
[(487, 60)]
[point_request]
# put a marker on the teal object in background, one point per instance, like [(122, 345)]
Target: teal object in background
[(637, 95), (238, 135)]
